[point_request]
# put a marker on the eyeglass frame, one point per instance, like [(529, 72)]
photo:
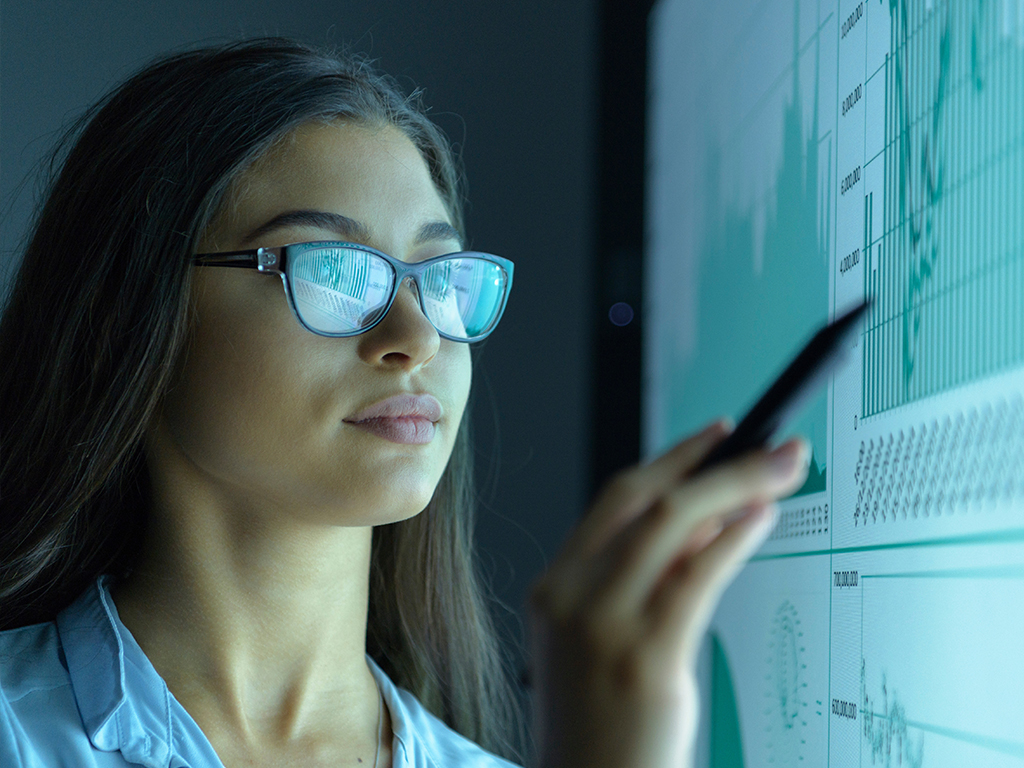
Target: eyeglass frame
[(274, 261)]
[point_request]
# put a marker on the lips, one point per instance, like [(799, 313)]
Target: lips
[(400, 407), (407, 419)]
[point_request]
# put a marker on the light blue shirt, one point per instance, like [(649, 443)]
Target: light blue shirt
[(79, 692)]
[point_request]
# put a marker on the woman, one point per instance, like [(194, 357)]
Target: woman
[(236, 474)]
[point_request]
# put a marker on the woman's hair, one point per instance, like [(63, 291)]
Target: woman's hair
[(99, 312)]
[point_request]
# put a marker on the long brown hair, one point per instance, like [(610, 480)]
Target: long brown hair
[(98, 314)]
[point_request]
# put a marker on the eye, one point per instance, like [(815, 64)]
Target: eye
[(437, 281)]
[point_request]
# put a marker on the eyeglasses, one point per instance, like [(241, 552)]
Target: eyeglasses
[(344, 289)]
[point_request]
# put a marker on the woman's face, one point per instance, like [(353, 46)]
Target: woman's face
[(259, 406)]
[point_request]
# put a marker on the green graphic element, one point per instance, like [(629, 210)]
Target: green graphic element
[(726, 737), (749, 324), (1005, 536), (947, 269), (887, 731), (885, 726), (995, 572), (787, 688)]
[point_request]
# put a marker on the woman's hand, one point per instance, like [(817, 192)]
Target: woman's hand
[(617, 620)]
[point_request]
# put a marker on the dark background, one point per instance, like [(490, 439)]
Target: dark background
[(545, 101)]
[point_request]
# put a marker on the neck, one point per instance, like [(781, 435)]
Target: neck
[(258, 627)]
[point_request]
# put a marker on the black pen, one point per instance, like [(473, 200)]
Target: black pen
[(788, 395)]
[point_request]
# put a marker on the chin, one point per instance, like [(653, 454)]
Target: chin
[(401, 505), (398, 516)]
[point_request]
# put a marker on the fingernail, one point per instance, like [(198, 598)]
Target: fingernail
[(784, 459), (722, 426)]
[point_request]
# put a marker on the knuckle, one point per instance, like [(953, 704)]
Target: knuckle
[(636, 542), (661, 513), (624, 484), (657, 520), (749, 477), (681, 499)]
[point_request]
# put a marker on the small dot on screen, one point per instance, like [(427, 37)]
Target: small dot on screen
[(620, 313)]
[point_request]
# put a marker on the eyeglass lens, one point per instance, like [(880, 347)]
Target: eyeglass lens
[(344, 290)]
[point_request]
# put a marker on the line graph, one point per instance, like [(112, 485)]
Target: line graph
[(917, 618), (885, 727), (947, 269)]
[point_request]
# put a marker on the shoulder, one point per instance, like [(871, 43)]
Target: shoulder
[(30, 659), (38, 713), (444, 746)]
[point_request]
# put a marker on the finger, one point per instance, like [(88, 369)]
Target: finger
[(665, 532), (634, 490), (703, 534), (618, 506), (681, 609)]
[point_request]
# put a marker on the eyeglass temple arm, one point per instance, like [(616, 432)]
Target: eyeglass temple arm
[(263, 259)]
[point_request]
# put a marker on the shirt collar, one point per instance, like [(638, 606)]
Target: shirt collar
[(124, 703)]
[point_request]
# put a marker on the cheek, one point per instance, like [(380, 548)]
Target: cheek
[(234, 384)]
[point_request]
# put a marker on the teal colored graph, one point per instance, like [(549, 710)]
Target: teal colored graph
[(787, 688), (885, 727), (763, 287), (947, 266), (891, 731), (894, 739)]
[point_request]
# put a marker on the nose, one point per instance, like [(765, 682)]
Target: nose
[(405, 337)]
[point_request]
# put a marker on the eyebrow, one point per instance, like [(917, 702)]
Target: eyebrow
[(349, 228)]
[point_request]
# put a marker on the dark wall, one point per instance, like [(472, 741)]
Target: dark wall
[(514, 85)]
